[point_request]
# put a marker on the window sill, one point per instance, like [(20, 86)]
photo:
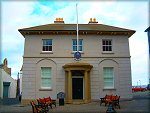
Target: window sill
[(76, 51), (45, 89), (109, 89), (46, 52), (107, 52)]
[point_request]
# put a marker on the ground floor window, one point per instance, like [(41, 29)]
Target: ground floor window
[(108, 73), (46, 81)]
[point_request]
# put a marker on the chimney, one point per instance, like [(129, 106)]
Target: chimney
[(59, 21), (93, 21), (6, 69)]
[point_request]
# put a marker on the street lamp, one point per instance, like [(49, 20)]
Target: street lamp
[(140, 82), (137, 83)]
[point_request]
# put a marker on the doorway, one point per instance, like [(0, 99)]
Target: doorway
[(6, 89), (77, 88), (77, 84)]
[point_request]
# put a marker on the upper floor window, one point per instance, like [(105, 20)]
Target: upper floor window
[(46, 81), (47, 45), (107, 44), (108, 74), (80, 44)]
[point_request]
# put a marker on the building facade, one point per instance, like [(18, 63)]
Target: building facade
[(7, 84), (49, 66)]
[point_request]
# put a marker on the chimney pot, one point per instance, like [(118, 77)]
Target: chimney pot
[(59, 21), (93, 21), (90, 19)]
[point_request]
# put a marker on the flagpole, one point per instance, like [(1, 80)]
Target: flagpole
[(77, 27)]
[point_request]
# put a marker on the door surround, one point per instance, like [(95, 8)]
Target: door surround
[(86, 68)]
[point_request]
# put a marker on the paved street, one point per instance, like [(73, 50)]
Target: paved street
[(139, 104)]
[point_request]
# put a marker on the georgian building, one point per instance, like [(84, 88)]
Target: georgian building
[(49, 66)]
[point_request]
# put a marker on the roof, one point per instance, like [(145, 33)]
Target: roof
[(72, 27)]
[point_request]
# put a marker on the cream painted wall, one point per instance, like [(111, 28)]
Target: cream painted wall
[(62, 46), (31, 77), (92, 54)]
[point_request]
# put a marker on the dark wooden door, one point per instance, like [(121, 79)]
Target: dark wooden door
[(77, 88)]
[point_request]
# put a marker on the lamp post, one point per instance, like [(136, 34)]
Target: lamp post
[(140, 82)]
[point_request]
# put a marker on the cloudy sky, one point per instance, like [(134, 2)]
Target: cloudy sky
[(126, 14)]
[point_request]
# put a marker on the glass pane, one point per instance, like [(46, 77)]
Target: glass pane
[(108, 84), (109, 42), (80, 48), (110, 48), (74, 42), (74, 48), (103, 42), (104, 48), (44, 42), (106, 42), (108, 72), (49, 42), (80, 41), (49, 48), (44, 48), (46, 72), (45, 82)]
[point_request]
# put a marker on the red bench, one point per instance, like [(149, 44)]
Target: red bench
[(47, 101), (110, 99), (50, 101), (37, 108)]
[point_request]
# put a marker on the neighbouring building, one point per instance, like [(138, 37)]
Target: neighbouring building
[(7, 83), (49, 66)]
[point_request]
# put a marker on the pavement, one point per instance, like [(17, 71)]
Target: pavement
[(139, 104)]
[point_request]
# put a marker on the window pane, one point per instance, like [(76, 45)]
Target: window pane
[(104, 48), (108, 77), (74, 42), (80, 48), (47, 45), (46, 77), (46, 83), (109, 42), (109, 48), (108, 84), (107, 45), (74, 48), (80, 44), (49, 42), (49, 48), (104, 42), (44, 48), (80, 41)]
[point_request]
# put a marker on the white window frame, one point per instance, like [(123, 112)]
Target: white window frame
[(104, 77), (78, 45), (50, 87), (107, 45), (47, 45)]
